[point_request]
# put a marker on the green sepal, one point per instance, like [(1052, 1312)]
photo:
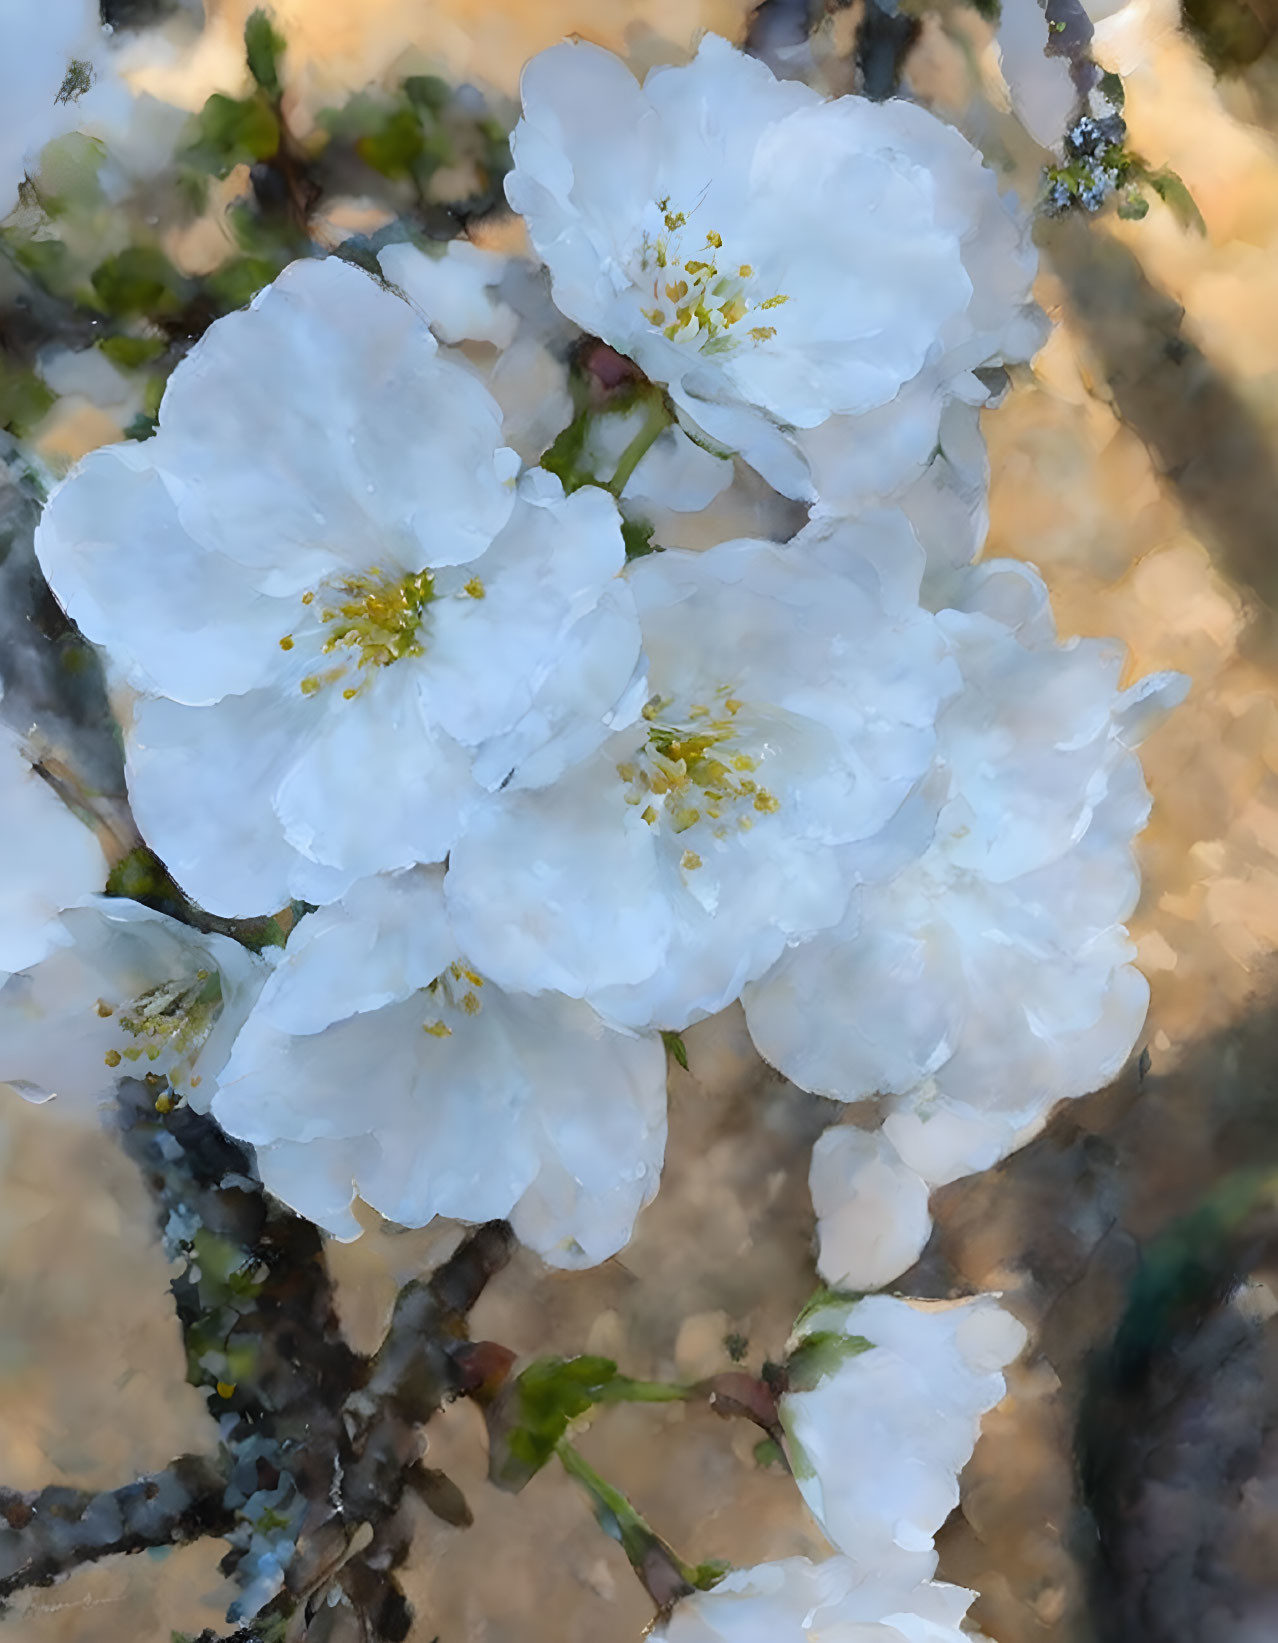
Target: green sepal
[(822, 1354), (676, 1047)]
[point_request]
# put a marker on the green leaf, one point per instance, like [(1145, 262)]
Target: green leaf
[(397, 147), (153, 393), (24, 398), (233, 131), (676, 1047), (264, 45), (1132, 207), (139, 280), (68, 175), (821, 1354), (47, 261), (1173, 193), (142, 427), (236, 283), (131, 352), (1112, 89), (427, 92), (535, 1410)]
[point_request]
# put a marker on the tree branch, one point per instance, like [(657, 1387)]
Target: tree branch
[(44, 1535), (323, 1443)]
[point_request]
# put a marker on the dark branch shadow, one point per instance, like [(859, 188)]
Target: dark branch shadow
[(1201, 435)]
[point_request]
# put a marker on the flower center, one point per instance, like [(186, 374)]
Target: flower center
[(172, 1020), (693, 768), (371, 620), (455, 991), (700, 296)]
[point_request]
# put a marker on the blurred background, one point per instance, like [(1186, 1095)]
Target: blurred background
[(1128, 1487)]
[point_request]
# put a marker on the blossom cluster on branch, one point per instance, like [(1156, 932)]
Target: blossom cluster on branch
[(473, 793)]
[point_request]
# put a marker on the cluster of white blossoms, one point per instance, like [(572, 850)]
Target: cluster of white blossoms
[(398, 653), (887, 1416), (370, 656)]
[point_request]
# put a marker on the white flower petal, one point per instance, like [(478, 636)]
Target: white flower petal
[(485, 1104), (990, 978), (872, 1209), (65, 1022), (51, 859), (453, 290), (837, 1601), (779, 262), (803, 713), (879, 1441)]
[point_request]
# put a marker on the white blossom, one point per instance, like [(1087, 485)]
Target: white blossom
[(51, 859), (1042, 90), (813, 280), (791, 713), (379, 1062), (872, 1209), (125, 991), (345, 623), (887, 1416), (991, 977), (39, 44), (837, 1601)]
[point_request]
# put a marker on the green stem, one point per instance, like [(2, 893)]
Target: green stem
[(624, 1390), (664, 1574), (656, 419)]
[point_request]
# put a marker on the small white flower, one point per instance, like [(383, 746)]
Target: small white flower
[(791, 714), (51, 860), (992, 977), (888, 1415), (379, 1062), (795, 1601), (345, 621), (46, 61), (813, 280), (125, 991), (872, 1210)]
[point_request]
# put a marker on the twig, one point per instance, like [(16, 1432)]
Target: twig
[(46, 1534)]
